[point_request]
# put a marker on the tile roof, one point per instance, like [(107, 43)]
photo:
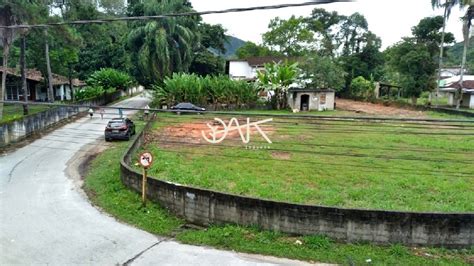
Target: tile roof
[(36, 75)]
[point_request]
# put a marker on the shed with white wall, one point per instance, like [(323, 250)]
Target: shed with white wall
[(311, 99)]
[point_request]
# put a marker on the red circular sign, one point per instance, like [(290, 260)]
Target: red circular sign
[(146, 159)]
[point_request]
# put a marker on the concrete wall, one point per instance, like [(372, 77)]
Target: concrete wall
[(17, 130), (205, 207), (240, 70), (132, 90), (468, 100), (314, 100)]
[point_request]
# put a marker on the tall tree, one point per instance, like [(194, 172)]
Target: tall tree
[(161, 47), (250, 49), (325, 26), (416, 66), (13, 12), (24, 85), (48, 67), (447, 5), (207, 58), (7, 18), (290, 37), (414, 57), (324, 72), (467, 23)]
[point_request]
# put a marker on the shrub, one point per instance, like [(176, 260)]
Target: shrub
[(362, 88), (110, 78), (91, 92), (217, 91)]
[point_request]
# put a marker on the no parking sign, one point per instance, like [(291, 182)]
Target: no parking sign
[(146, 159)]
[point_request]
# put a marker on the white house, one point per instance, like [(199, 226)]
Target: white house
[(467, 99), (246, 69)]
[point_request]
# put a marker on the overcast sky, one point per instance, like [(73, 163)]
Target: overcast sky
[(389, 19)]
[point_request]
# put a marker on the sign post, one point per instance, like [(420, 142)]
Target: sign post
[(146, 159)]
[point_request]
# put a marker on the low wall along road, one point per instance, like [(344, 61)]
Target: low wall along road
[(205, 207)]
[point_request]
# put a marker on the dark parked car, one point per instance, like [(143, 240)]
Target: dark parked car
[(187, 107), (119, 128)]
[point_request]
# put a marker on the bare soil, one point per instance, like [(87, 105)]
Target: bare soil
[(192, 133), (377, 109)]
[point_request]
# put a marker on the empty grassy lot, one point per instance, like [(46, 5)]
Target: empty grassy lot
[(105, 189), (391, 165)]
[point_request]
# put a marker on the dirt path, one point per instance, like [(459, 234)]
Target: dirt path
[(377, 109)]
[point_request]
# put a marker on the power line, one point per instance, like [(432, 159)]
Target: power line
[(174, 15)]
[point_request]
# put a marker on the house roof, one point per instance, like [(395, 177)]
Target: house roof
[(261, 60), (36, 75), (466, 84), (309, 90), (78, 83)]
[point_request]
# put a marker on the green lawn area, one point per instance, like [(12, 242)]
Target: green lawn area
[(105, 189), (354, 164), (13, 112)]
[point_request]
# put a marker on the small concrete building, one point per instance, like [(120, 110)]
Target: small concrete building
[(311, 99)]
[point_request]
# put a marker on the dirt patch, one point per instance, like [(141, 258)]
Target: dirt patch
[(377, 109), (192, 133), (281, 155)]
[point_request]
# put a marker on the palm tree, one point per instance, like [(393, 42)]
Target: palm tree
[(163, 46), (448, 6), (467, 23)]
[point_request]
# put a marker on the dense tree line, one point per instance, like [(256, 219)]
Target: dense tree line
[(147, 50), (336, 48)]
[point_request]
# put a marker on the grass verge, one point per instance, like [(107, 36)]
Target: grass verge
[(105, 189)]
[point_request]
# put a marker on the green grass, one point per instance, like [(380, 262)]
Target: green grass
[(390, 166), (106, 191), (15, 111)]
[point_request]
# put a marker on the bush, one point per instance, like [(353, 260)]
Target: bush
[(217, 91), (362, 88), (110, 78), (91, 92)]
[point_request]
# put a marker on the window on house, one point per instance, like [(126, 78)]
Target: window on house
[(12, 92), (322, 98)]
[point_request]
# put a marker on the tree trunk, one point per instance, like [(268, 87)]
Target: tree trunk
[(71, 88), (414, 100), (24, 85), (6, 51), (48, 68), (441, 49), (465, 30)]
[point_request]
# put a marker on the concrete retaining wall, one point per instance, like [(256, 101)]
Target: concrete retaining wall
[(17, 130), (204, 207)]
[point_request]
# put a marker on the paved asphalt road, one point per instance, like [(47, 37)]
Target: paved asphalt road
[(45, 217)]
